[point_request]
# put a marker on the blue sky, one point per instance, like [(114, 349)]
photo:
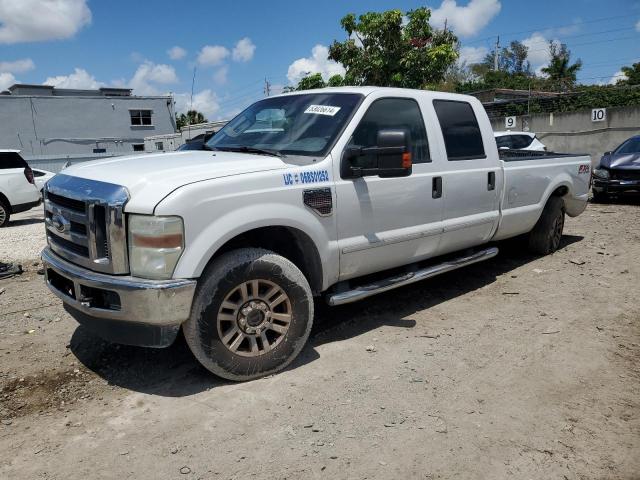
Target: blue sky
[(235, 45)]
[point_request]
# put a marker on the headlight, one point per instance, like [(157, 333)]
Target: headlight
[(601, 173), (155, 245)]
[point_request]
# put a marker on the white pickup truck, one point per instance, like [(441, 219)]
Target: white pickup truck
[(340, 192)]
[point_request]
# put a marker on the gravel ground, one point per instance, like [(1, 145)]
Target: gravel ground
[(518, 367), (24, 238)]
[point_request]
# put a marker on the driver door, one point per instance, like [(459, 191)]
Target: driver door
[(387, 222)]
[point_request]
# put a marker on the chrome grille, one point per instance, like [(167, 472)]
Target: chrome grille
[(85, 222)]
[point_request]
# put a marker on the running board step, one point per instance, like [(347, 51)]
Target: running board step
[(365, 291)]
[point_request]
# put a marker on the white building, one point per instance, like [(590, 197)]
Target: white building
[(171, 141)]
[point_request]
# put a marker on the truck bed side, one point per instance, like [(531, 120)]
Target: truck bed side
[(530, 178)]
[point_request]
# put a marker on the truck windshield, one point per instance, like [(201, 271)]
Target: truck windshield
[(305, 124)]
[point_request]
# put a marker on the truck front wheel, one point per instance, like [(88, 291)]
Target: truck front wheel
[(547, 233), (251, 315)]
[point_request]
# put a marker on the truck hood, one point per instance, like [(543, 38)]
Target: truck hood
[(151, 177), (626, 161)]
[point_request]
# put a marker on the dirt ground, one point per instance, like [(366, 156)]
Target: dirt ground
[(519, 367)]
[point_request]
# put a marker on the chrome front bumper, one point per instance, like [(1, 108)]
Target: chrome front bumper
[(115, 302)]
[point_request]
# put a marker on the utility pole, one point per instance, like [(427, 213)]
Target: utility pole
[(445, 25), (496, 54), (267, 87)]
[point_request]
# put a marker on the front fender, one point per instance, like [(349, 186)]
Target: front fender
[(216, 212)]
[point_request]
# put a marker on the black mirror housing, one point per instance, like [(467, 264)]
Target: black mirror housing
[(389, 158)]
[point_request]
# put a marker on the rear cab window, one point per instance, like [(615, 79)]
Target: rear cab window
[(11, 160), (460, 130)]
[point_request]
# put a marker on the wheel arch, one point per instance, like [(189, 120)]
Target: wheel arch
[(287, 241)]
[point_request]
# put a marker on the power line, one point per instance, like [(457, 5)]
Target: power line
[(547, 28)]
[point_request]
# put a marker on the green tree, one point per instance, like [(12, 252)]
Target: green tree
[(383, 50), (311, 81), (315, 81), (512, 59), (192, 117), (561, 73), (632, 73)]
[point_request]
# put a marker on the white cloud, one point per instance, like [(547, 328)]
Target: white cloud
[(638, 26), (149, 75), (318, 62), (17, 66), (465, 20), (205, 101), (220, 77), (39, 20), (176, 53), (471, 55), (80, 79), (212, 55), (244, 50), (538, 53), (6, 80)]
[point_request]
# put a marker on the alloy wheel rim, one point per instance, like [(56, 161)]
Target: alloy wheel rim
[(3, 215), (558, 226), (254, 318)]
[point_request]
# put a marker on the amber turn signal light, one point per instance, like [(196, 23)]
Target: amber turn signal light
[(406, 160)]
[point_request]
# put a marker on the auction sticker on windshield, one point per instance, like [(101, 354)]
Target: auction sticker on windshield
[(322, 110)]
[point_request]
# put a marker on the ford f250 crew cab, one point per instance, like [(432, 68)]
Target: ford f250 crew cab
[(340, 192)]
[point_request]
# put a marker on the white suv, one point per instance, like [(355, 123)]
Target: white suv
[(518, 141), (18, 191)]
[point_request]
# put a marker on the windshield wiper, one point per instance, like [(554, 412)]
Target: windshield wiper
[(245, 149)]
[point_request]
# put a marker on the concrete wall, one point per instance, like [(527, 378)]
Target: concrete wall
[(64, 125), (574, 132)]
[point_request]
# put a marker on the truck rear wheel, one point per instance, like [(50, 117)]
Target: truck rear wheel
[(251, 315), (547, 233), (5, 213)]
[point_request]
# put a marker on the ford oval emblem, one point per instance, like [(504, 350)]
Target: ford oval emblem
[(60, 223)]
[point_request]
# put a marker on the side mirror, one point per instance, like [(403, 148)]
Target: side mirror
[(606, 154), (389, 158)]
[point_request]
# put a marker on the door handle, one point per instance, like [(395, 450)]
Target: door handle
[(436, 187), (491, 184)]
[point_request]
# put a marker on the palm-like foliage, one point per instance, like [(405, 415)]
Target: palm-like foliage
[(562, 74), (632, 74)]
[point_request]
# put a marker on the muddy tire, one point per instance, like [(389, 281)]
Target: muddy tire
[(251, 315), (546, 235), (5, 214)]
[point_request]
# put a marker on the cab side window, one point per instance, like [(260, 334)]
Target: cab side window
[(392, 114), (460, 129)]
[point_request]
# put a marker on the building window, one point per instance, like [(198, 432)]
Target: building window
[(140, 117), (159, 146), (138, 147)]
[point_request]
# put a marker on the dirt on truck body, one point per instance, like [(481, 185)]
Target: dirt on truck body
[(518, 367)]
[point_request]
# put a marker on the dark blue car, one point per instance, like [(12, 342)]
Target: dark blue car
[(619, 171)]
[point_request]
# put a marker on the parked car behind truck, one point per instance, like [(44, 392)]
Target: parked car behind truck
[(339, 192), (618, 171), (18, 191)]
